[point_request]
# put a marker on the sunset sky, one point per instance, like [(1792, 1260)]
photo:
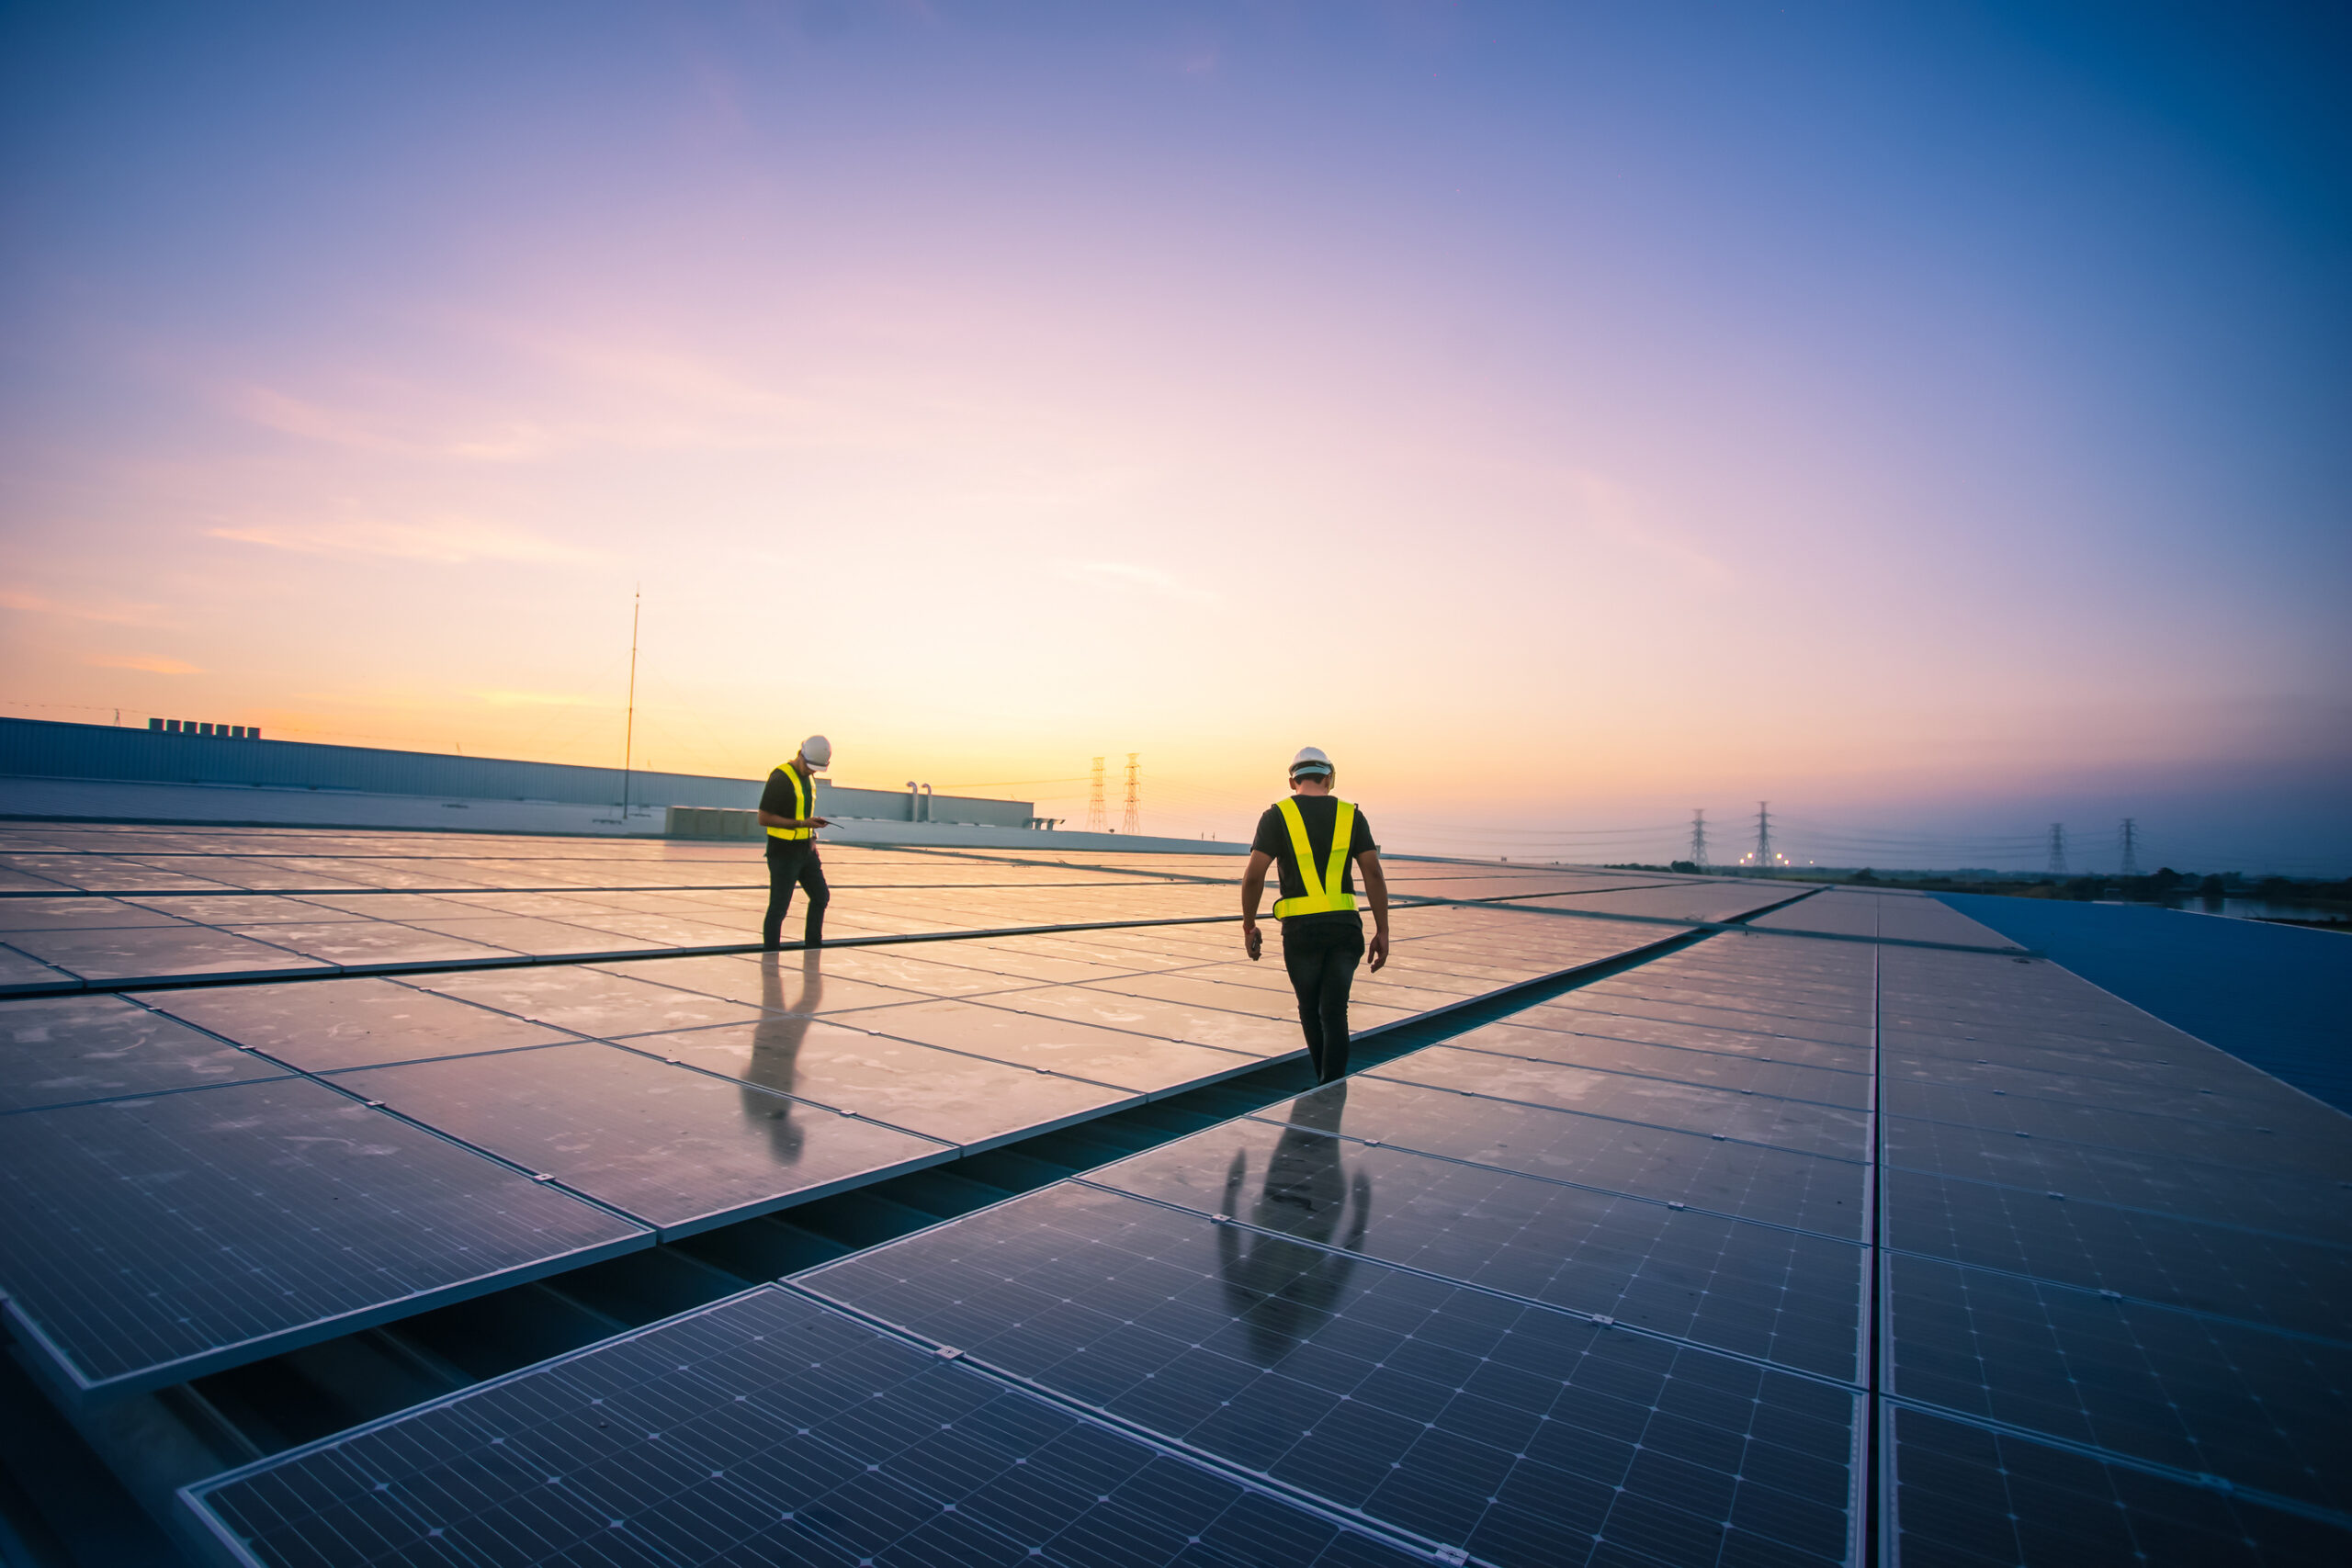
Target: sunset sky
[(1936, 419)]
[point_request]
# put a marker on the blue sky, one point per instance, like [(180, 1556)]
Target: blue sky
[(1927, 417)]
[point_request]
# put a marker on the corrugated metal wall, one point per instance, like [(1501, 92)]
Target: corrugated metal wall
[(42, 748)]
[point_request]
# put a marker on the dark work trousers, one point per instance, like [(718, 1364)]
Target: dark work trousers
[(793, 862), (1321, 957)]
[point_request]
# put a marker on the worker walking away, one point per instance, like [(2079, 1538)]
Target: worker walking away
[(1316, 839), (789, 811)]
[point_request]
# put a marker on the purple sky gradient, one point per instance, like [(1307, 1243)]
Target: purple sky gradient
[(1929, 418)]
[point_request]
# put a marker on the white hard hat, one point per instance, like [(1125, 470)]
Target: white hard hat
[(1310, 760), (816, 751)]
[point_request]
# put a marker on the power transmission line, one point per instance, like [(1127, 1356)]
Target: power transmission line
[(1763, 834), (1133, 821), (1699, 839), (2130, 848), (1098, 816), (2057, 849)]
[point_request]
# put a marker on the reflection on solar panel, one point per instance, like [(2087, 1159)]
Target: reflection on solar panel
[(1867, 1236), (1469, 1418)]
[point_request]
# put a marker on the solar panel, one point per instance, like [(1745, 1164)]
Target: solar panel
[(956, 1099), (681, 1150), (19, 973), (1135, 1062), (2279, 1281), (144, 1242), (156, 952), (1614, 1002), (1759, 1042), (2200, 1393), (1738, 1180), (806, 982), (1713, 1069), (1251, 1032), (589, 1000), (1187, 988), (62, 1050), (2260, 1199), (322, 1026), (917, 970), (1966, 1495), (1760, 1290), (1513, 1431), (1753, 1118), (2320, 1150), (81, 914), (763, 1429)]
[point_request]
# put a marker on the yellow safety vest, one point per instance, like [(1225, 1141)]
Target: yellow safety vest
[(1319, 897), (802, 798)]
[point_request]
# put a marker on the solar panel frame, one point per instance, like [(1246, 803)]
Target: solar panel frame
[(1960, 1493), (714, 1149), (703, 1424), (2196, 1393), (1763, 1292), (168, 1197), (1411, 1360), (1738, 1180)]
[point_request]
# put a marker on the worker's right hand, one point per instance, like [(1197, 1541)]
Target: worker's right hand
[(820, 821), (1253, 938)]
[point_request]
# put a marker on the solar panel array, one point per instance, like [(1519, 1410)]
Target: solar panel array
[(582, 1107), (2117, 1287), (1863, 1232)]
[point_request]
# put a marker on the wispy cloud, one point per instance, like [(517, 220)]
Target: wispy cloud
[(537, 699), (503, 441), (451, 542), (151, 663), (1138, 579), (111, 613)]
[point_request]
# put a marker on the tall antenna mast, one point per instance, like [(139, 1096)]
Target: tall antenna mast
[(1699, 838), (628, 734)]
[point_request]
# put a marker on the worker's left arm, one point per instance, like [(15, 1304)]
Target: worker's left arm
[(1253, 887), (1376, 887)]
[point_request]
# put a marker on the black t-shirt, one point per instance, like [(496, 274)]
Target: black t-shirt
[(777, 800), (1319, 813)]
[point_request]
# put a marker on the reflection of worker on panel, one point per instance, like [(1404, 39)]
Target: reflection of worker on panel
[(789, 811), (1314, 837), (1281, 1290), (775, 1051)]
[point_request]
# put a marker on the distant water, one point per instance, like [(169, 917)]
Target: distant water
[(2253, 909), (2275, 995)]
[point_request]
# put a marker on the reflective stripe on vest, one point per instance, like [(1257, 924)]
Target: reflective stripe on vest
[(801, 791), (1318, 898)]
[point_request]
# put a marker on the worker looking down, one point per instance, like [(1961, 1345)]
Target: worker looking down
[(1316, 839), (789, 811)]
